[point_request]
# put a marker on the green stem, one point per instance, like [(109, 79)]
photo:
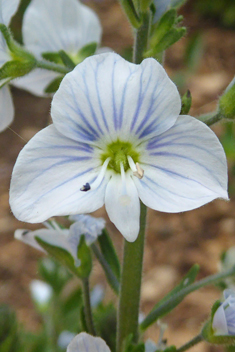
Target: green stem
[(190, 344), (128, 310), (212, 279), (141, 38), (108, 271), (210, 119), (87, 306), (51, 66)]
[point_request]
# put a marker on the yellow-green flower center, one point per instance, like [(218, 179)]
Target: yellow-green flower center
[(118, 152)]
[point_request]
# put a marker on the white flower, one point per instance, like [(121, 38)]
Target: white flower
[(116, 137), (224, 318), (51, 26), (7, 9), (87, 343), (41, 292), (69, 240)]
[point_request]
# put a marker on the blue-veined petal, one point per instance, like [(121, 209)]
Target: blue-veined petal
[(52, 237), (87, 343), (7, 9), (184, 168), (108, 97), (123, 206), (48, 175), (35, 81), (49, 26), (7, 108)]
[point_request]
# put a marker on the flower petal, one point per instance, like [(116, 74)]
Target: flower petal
[(36, 81), (106, 96), (87, 343), (219, 323), (72, 26), (27, 237), (184, 168), (7, 108), (48, 175), (7, 9), (4, 56), (123, 206)]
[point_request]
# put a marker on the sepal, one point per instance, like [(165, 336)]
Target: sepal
[(227, 102), (54, 85), (186, 102), (165, 33), (65, 258), (208, 335)]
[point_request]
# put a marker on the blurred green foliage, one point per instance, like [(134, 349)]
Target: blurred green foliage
[(221, 10)]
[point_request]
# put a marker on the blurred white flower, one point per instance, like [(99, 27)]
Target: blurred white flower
[(223, 322), (71, 27), (7, 10), (41, 293), (87, 343), (67, 239), (226, 263), (117, 137)]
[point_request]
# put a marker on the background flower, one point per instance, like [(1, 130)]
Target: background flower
[(223, 322), (87, 343), (116, 137), (7, 9), (72, 26)]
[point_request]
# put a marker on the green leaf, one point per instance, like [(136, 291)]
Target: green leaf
[(84, 255), (87, 50), (15, 68), (171, 37), (161, 309), (54, 85), (52, 57), (109, 253), (60, 254), (54, 273), (165, 23), (186, 102), (66, 59)]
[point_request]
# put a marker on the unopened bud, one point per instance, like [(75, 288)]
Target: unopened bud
[(227, 102)]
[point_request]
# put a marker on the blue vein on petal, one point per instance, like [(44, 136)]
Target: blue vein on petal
[(120, 120), (189, 159), (160, 187), (140, 98), (113, 96), (98, 93), (59, 185), (90, 105), (170, 145), (59, 163), (93, 133)]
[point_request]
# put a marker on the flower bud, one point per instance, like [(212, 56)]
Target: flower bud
[(220, 329), (227, 101)]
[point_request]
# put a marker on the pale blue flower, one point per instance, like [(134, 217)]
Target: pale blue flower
[(223, 322), (87, 343), (7, 9), (116, 137), (51, 26)]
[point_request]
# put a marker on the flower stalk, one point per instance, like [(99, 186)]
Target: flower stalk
[(87, 306), (128, 310), (51, 66), (190, 344)]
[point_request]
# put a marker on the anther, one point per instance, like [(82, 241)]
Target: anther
[(140, 172), (85, 187)]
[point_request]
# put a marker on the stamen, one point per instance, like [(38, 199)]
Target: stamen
[(137, 170), (124, 198), (98, 180), (140, 172)]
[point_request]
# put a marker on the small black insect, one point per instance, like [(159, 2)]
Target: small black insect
[(86, 187)]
